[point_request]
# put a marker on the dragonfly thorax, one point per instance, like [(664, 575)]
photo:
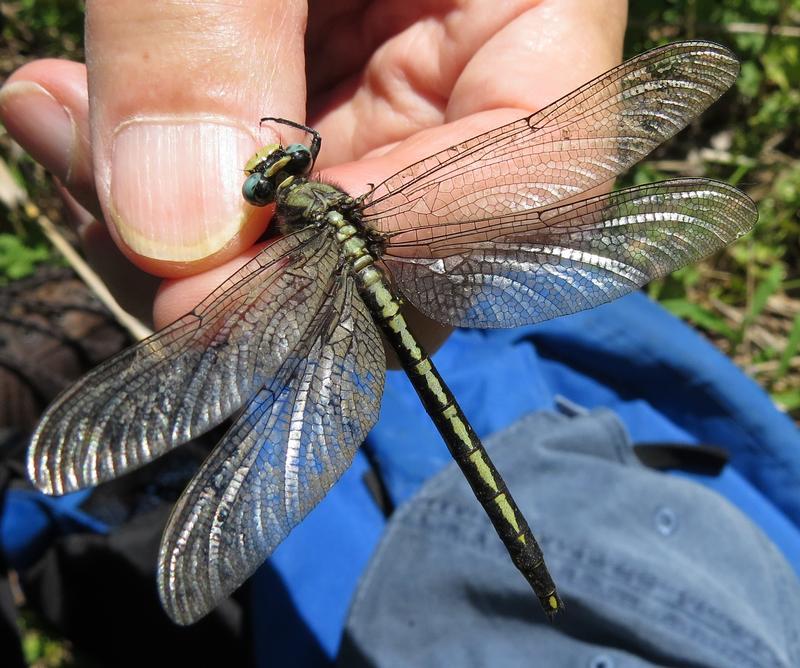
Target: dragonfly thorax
[(300, 202)]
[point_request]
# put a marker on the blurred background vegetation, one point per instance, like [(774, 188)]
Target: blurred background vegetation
[(746, 299)]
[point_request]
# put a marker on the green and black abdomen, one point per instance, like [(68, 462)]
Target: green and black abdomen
[(456, 431), (302, 202)]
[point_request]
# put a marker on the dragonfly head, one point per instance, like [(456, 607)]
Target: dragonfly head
[(269, 167)]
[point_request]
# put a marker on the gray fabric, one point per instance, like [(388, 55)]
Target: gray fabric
[(655, 570)]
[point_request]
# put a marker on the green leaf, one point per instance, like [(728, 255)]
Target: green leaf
[(700, 316), (17, 259), (790, 350), (788, 400), (768, 286), (750, 78)]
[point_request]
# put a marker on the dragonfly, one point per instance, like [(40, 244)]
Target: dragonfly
[(496, 231)]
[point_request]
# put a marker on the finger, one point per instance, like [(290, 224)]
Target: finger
[(44, 106), (574, 41), (479, 56), (540, 55), (176, 91), (410, 61)]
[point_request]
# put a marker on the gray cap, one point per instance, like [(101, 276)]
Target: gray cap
[(655, 570)]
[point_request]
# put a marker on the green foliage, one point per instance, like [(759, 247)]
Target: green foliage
[(32, 29), (43, 28), (791, 349), (18, 259), (700, 316), (751, 138), (22, 243), (789, 399), (43, 648)]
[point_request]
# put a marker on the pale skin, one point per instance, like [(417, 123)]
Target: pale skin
[(148, 139)]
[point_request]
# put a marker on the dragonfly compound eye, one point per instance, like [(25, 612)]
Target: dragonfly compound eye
[(300, 158), (258, 189)]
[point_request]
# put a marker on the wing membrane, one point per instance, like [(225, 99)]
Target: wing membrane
[(539, 265), (280, 458), (580, 141), (189, 376)]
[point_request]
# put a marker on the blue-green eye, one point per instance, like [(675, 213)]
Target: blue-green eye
[(301, 158), (258, 189)]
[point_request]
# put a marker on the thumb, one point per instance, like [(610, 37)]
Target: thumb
[(175, 91)]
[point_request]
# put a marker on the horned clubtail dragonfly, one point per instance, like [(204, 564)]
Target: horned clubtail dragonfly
[(491, 232)]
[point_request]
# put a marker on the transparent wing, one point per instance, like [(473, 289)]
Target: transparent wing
[(533, 266), (280, 458), (580, 141), (189, 376)]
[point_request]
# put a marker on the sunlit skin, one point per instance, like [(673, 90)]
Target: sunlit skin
[(388, 83)]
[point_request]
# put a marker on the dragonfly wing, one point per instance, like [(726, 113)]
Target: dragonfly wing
[(290, 445), (534, 266), (582, 140), (189, 376)]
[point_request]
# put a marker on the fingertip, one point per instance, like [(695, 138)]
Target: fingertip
[(44, 106), (547, 51)]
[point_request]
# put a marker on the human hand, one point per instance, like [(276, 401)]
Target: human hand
[(150, 154)]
